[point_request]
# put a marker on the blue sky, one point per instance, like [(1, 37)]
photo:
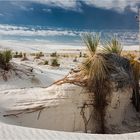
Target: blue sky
[(64, 21), (77, 14)]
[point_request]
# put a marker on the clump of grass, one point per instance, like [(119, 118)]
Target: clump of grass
[(46, 62), (5, 57), (18, 55), (54, 54), (39, 55), (55, 63)]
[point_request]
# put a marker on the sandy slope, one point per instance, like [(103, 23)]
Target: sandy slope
[(43, 76), (10, 132), (21, 96)]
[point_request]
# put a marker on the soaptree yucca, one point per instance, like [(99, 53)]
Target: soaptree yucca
[(102, 68), (96, 69)]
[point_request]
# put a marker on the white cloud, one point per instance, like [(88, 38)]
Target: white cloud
[(118, 5), (24, 31), (60, 3)]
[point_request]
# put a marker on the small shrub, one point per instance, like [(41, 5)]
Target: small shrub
[(41, 54), (80, 55), (46, 62), (53, 54), (38, 55), (17, 55), (55, 63), (5, 57)]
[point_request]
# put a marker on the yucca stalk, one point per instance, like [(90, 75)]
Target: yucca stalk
[(113, 46), (96, 69), (99, 84)]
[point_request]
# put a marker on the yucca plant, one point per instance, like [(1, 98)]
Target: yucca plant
[(113, 46), (101, 68), (96, 69), (92, 43), (5, 57), (99, 84)]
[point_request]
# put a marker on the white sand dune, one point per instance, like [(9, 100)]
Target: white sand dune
[(22, 103), (11, 132), (59, 108), (57, 115), (42, 76)]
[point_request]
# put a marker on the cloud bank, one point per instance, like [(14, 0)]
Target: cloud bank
[(30, 31), (118, 5)]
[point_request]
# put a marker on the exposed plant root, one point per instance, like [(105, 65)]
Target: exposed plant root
[(82, 113), (39, 114), (74, 79), (27, 110)]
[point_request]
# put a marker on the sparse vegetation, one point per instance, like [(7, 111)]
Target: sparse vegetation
[(54, 54), (46, 62), (100, 70), (55, 63), (39, 55), (5, 57), (33, 54), (80, 54), (18, 55)]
